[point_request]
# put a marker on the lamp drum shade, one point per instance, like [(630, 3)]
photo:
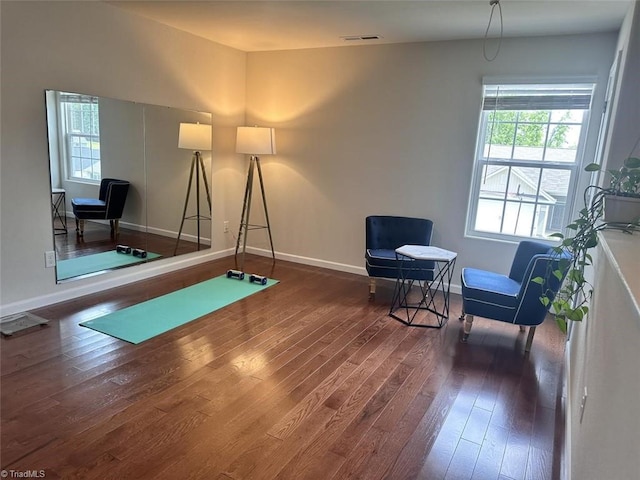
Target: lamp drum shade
[(194, 136), (256, 140)]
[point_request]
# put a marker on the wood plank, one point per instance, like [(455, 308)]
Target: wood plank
[(463, 461), (314, 455), (491, 454), (309, 379)]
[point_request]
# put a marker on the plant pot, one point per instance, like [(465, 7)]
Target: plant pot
[(619, 209)]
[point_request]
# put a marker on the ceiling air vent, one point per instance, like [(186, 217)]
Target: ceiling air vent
[(352, 38)]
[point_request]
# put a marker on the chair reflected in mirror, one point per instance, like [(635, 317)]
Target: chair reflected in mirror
[(108, 206)]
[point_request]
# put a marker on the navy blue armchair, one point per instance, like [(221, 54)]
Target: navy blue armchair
[(512, 298), (386, 233), (108, 206)]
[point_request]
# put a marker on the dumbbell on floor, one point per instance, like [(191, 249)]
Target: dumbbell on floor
[(123, 249), (235, 274), (253, 278), (138, 252)]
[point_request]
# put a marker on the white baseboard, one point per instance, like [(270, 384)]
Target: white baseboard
[(152, 269), (71, 221), (143, 228), (341, 267), (127, 225), (112, 280), (183, 236)]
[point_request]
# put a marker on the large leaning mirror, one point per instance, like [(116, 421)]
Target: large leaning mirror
[(125, 187)]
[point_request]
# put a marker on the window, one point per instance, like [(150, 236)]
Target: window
[(530, 143), (80, 131)]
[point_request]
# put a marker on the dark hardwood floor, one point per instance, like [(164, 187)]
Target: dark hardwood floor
[(306, 379), (97, 238)]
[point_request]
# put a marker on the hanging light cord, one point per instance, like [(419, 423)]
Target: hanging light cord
[(493, 4)]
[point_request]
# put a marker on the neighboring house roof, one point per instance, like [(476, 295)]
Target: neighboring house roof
[(527, 179), (554, 182)]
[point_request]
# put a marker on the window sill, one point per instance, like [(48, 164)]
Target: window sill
[(502, 238), (83, 182)]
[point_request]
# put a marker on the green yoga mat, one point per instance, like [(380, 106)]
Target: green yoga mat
[(98, 262), (145, 320)]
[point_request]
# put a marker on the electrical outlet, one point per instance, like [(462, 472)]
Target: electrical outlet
[(225, 227), (50, 259)]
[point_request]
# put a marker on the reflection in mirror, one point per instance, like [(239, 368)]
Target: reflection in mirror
[(98, 224), (169, 180)]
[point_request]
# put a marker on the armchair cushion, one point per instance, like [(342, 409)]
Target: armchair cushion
[(381, 258), (88, 207), (490, 294), (382, 263)]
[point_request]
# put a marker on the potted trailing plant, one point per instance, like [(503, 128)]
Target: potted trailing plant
[(622, 198), (572, 300)]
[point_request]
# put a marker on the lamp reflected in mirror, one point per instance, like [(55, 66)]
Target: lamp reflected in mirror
[(95, 138), (197, 138)]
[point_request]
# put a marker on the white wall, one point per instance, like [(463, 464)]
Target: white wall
[(603, 354), (605, 358), (389, 129), (384, 129), (94, 48)]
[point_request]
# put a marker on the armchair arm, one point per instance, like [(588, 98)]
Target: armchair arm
[(116, 197), (530, 310)]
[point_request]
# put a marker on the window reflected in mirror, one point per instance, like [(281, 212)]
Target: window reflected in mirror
[(120, 183)]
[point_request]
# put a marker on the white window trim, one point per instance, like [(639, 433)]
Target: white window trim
[(63, 146), (576, 167)]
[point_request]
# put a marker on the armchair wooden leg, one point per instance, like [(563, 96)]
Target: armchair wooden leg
[(462, 314), (467, 327), (372, 287), (80, 226), (115, 227), (532, 332)]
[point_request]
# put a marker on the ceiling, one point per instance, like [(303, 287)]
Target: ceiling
[(262, 25)]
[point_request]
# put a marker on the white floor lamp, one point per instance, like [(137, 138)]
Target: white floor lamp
[(195, 137), (254, 141)]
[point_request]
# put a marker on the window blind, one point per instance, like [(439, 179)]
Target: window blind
[(76, 98), (542, 97)]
